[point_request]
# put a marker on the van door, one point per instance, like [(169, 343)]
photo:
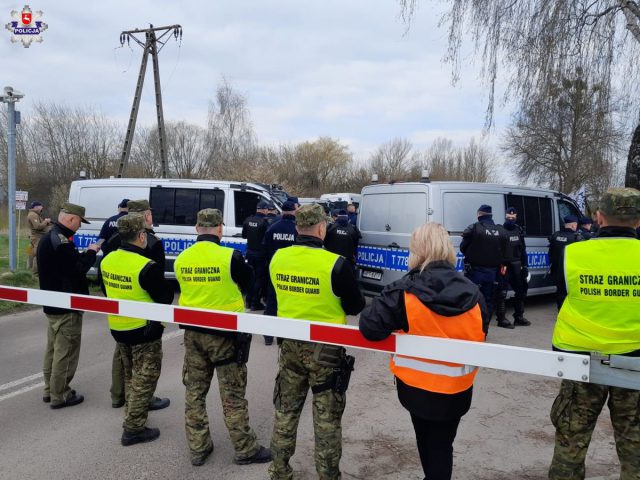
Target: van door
[(241, 205), (388, 216)]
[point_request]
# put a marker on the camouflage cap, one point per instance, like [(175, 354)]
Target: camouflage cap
[(621, 202), (131, 223), (209, 217), (73, 209), (310, 215), (138, 205)]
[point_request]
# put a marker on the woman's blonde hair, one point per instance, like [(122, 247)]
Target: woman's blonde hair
[(430, 243)]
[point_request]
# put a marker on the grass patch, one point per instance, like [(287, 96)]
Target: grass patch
[(20, 278)]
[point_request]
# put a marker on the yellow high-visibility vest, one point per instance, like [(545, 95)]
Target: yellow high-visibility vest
[(602, 310), (120, 274), (204, 273), (301, 277)]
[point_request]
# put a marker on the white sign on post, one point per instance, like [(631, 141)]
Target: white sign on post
[(21, 199)]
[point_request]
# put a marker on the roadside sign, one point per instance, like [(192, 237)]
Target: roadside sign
[(21, 205), (21, 196)]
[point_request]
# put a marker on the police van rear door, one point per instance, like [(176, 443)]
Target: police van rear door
[(388, 215)]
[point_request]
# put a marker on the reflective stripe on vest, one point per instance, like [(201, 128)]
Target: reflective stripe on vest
[(204, 273), (430, 367), (301, 278), (120, 274), (600, 312), (432, 375)]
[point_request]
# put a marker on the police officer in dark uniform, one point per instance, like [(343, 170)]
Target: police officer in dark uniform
[(353, 214), (280, 234), (482, 247), (557, 243), (513, 273), (110, 225), (585, 227), (342, 238), (253, 230)]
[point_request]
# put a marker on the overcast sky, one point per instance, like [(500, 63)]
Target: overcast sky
[(343, 69)]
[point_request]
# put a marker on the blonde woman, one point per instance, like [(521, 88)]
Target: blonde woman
[(435, 300)]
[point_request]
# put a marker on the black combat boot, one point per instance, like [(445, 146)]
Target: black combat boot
[(518, 316), (263, 455), (146, 435), (501, 314)]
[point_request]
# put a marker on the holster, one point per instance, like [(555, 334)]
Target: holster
[(242, 344), (340, 377)]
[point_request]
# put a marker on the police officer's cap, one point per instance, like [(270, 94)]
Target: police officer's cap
[(138, 205), (123, 203), (310, 215), (73, 209), (293, 199), (288, 206), (512, 211), (571, 219), (209, 217), (486, 209), (263, 205), (35, 204), (585, 221), (621, 202), (342, 213), (131, 223)]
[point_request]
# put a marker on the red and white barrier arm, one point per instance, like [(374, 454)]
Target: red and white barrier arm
[(501, 357)]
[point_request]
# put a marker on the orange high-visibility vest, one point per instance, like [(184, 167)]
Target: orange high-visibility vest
[(432, 375)]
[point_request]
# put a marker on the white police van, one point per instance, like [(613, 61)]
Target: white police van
[(390, 212), (174, 203)]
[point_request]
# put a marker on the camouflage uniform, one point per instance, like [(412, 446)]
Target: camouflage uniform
[(142, 365), (576, 409), (38, 227), (298, 371), (575, 413), (202, 352)]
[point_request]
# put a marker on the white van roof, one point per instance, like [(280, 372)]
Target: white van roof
[(469, 185)]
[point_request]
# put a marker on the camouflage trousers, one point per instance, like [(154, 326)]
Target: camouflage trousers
[(117, 377), (202, 352), (297, 372), (142, 364), (61, 355), (574, 414)]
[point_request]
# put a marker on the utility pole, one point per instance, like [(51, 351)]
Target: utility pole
[(10, 97), (149, 46)]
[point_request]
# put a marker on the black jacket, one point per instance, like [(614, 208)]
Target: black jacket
[(151, 278), (253, 229), (281, 233), (557, 243), (342, 238), (241, 274), (483, 243), (343, 280), (444, 291), (515, 248), (61, 267)]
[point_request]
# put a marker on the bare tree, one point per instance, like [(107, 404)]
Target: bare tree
[(473, 163), (394, 160), (566, 137), (186, 150), (230, 141), (540, 41)]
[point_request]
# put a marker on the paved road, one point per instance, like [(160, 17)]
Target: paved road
[(506, 435)]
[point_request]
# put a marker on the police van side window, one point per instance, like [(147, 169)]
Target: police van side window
[(212, 199), (534, 214), (566, 208), (162, 202), (180, 206), (245, 205)]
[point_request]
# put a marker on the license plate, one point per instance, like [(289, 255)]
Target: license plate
[(372, 275)]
